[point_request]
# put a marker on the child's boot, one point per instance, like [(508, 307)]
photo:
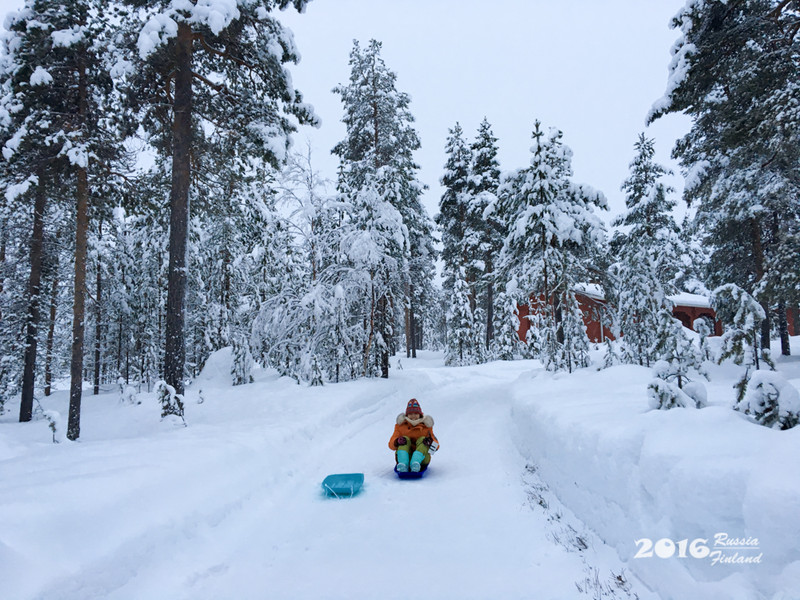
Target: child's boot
[(402, 461), (416, 461)]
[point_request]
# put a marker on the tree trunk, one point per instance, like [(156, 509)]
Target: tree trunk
[(79, 298), (98, 322), (412, 325), (384, 357), (2, 264), (408, 320), (758, 256), (783, 325), (559, 320), (32, 321), (78, 306), (489, 312), (175, 348), (48, 354)]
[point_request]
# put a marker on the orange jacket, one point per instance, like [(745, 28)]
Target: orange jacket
[(407, 429)]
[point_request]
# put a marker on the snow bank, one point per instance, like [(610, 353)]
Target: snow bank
[(630, 473)]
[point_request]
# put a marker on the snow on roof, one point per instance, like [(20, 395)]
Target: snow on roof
[(687, 299), (593, 290)]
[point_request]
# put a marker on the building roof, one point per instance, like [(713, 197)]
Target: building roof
[(595, 291)]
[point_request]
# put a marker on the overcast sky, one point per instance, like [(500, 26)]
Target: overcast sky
[(591, 68)]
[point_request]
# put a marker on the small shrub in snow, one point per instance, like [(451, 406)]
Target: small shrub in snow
[(171, 403), (697, 392), (56, 425), (128, 395), (611, 356), (771, 400), (663, 395)]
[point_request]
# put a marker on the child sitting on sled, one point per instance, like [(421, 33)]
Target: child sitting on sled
[(413, 440)]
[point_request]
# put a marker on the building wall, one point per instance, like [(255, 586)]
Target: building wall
[(597, 328), (592, 309)]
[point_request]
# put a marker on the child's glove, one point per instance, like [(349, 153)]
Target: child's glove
[(401, 441), (428, 441)]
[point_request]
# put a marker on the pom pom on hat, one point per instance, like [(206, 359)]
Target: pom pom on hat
[(413, 407)]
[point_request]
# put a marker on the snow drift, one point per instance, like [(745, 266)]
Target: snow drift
[(631, 473)]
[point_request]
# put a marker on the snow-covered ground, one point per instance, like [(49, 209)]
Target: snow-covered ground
[(534, 471)]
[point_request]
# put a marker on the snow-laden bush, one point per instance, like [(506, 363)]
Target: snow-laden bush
[(665, 393), (771, 401), (679, 358), (697, 392), (56, 425), (128, 395), (171, 403), (741, 342)]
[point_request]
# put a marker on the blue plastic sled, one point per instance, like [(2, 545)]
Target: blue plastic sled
[(343, 485), (410, 474)]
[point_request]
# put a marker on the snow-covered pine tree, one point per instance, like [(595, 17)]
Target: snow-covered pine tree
[(771, 400), (139, 263), (678, 359), (222, 68), (649, 256), (454, 203), (552, 244), (734, 72), (242, 362), (378, 179), (171, 402), (461, 244), (61, 133), (484, 182), (462, 326), (505, 344), (741, 316), (704, 330)]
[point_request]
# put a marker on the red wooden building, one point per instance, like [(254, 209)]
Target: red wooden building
[(688, 308)]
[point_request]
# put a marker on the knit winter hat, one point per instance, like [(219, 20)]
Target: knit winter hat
[(413, 407)]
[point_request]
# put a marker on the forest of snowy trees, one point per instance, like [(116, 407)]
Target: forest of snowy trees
[(154, 210)]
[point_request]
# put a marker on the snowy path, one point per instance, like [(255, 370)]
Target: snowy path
[(236, 512)]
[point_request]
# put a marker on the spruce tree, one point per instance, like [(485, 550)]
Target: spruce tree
[(58, 73), (378, 180), (648, 254), (552, 245), (460, 240), (742, 317), (734, 72), (484, 182)]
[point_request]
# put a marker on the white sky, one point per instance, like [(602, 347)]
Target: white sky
[(591, 68)]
